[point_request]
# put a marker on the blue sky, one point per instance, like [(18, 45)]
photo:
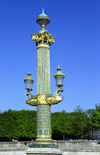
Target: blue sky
[(76, 26)]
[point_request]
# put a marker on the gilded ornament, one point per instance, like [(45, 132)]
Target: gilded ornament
[(44, 115), (35, 37), (43, 112), (44, 126), (43, 136), (42, 121), (54, 99), (32, 102), (41, 99), (43, 26), (43, 143), (43, 37), (43, 140), (43, 45)]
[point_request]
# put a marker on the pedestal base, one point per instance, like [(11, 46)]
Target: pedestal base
[(43, 151), (43, 146)]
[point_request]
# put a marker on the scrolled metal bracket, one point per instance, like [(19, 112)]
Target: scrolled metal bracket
[(32, 100), (57, 92), (56, 98)]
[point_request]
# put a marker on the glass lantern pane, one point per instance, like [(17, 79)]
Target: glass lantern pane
[(43, 22), (28, 84), (59, 81), (31, 84)]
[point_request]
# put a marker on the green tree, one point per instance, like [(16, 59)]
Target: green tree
[(95, 118), (89, 130), (61, 125), (25, 124), (80, 122), (18, 124)]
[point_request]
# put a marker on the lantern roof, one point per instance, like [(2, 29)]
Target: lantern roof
[(43, 16), (59, 72), (28, 77)]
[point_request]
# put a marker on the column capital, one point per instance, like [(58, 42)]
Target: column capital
[(43, 38)]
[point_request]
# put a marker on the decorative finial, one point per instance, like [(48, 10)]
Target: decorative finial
[(58, 68), (42, 10), (28, 73)]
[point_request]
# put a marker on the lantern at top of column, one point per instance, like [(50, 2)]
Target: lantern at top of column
[(43, 20)]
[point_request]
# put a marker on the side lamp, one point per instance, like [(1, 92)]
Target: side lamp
[(59, 76), (28, 83)]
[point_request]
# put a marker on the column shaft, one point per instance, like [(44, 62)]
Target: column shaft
[(43, 88), (43, 124), (43, 71)]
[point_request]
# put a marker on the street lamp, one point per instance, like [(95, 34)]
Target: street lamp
[(44, 99), (59, 76), (28, 83)]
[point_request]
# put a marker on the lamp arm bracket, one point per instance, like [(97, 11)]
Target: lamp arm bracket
[(57, 92), (32, 100), (56, 98)]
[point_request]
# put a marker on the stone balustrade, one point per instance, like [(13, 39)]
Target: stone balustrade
[(79, 146), (76, 146)]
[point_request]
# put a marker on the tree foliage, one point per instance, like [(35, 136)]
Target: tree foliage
[(95, 117), (61, 125), (18, 124), (78, 124)]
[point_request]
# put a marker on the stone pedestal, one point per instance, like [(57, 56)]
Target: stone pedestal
[(43, 151)]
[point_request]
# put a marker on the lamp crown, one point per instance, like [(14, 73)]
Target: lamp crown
[(43, 20)]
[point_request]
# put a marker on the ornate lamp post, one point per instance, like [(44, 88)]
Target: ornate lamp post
[(44, 99)]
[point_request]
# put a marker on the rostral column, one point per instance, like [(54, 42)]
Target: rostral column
[(44, 99)]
